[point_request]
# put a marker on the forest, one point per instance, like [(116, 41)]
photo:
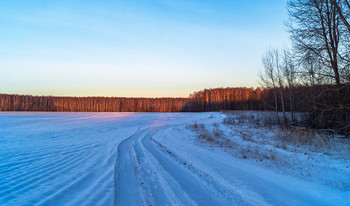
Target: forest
[(313, 75), (202, 101)]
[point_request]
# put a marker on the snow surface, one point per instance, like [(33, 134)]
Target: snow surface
[(141, 159)]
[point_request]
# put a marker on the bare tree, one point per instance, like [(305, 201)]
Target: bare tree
[(315, 30), (280, 79), (343, 8), (290, 75), (270, 76)]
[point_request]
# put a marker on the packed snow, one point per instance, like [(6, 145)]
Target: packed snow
[(162, 159)]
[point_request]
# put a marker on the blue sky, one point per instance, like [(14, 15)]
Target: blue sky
[(135, 48)]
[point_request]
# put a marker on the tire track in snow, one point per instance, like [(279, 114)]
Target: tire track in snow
[(146, 173), (139, 177), (162, 187), (126, 185), (201, 189)]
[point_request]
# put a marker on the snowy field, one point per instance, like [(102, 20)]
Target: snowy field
[(162, 159)]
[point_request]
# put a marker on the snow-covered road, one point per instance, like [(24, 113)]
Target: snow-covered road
[(134, 159)]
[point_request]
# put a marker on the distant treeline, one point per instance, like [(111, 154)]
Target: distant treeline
[(298, 99), (202, 101), (325, 106)]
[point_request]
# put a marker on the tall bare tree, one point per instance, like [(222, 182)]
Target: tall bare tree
[(290, 74), (315, 30), (270, 76)]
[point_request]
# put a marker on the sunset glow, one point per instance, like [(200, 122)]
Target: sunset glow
[(134, 48)]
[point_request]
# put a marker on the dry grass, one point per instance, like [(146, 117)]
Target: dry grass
[(264, 119), (301, 136), (250, 152), (203, 133), (284, 134), (216, 137)]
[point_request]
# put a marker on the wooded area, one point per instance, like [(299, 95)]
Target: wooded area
[(314, 75), (202, 101)]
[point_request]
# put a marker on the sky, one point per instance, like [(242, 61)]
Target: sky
[(135, 48)]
